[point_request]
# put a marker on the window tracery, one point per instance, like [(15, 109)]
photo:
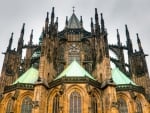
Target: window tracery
[(122, 106), (56, 104), (26, 105), (139, 106), (75, 102), (9, 106), (94, 104)]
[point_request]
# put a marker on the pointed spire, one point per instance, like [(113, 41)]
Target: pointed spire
[(21, 41), (102, 23), (31, 38), (52, 16), (92, 26), (139, 43), (127, 32), (129, 42), (81, 21), (118, 38), (43, 32), (96, 17), (22, 30), (10, 42), (22, 33), (97, 26), (56, 23), (66, 21), (47, 22)]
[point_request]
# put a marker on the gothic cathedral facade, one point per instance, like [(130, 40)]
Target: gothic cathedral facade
[(69, 71)]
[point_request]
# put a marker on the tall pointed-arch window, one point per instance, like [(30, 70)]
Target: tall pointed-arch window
[(56, 104), (93, 104), (9, 106), (139, 106), (122, 106), (26, 106), (75, 102)]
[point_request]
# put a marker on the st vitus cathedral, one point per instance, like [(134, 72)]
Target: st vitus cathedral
[(69, 71)]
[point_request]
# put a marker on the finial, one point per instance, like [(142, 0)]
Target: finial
[(73, 9)]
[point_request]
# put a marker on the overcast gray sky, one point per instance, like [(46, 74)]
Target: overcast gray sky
[(117, 13)]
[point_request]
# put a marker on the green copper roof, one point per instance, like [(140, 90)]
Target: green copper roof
[(30, 76), (74, 70), (120, 78), (74, 22)]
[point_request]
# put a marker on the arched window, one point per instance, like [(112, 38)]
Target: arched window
[(122, 106), (26, 105), (9, 106), (75, 102), (139, 106), (56, 104), (93, 104), (74, 53)]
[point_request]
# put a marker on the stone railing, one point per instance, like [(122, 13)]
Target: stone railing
[(127, 87), (18, 86)]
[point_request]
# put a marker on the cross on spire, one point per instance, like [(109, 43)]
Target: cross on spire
[(73, 9)]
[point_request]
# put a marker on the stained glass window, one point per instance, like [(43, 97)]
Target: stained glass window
[(75, 102), (122, 106), (9, 106), (56, 104), (26, 105), (93, 104)]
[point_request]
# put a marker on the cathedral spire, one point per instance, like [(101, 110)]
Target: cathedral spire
[(52, 16), (118, 38), (56, 23), (81, 21), (129, 42), (97, 26), (139, 43), (21, 41), (47, 22), (31, 38), (102, 23), (10, 42), (66, 21), (92, 26), (96, 17)]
